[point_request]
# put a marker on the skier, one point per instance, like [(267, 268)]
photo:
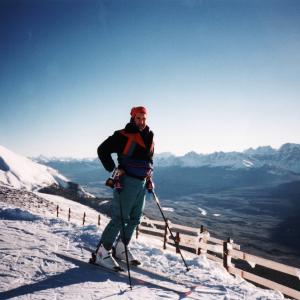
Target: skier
[(134, 147)]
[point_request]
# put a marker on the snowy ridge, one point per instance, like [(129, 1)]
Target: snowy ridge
[(46, 159), (20, 172), (286, 157), (43, 257), (218, 159)]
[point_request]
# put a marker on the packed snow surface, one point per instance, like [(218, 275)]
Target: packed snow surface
[(44, 257)]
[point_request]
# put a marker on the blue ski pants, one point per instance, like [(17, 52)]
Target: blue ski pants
[(132, 199)]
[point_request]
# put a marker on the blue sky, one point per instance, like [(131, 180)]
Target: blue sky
[(215, 75)]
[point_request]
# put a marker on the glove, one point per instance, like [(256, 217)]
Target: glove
[(149, 184), (114, 180), (117, 183)]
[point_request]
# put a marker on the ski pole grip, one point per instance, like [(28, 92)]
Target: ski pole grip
[(149, 185), (111, 180)]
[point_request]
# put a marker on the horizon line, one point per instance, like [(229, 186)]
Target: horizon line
[(167, 152)]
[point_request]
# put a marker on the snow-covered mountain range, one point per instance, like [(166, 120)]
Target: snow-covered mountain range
[(286, 157), (46, 159), (22, 173)]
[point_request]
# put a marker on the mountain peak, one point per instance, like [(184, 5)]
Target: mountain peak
[(165, 154), (192, 154), (21, 172), (287, 147), (287, 158), (261, 150)]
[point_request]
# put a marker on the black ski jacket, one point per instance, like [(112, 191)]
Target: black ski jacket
[(134, 149)]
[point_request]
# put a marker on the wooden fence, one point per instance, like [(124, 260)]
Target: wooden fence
[(59, 212), (199, 241)]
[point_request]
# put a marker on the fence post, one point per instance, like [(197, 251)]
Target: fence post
[(99, 218), (165, 234), (57, 210), (200, 239), (69, 214), (83, 220), (177, 241), (137, 232), (227, 245)]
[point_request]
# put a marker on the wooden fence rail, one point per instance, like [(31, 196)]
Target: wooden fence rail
[(265, 282), (199, 241)]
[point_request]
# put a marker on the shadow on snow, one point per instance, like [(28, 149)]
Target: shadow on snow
[(78, 274), (82, 272)]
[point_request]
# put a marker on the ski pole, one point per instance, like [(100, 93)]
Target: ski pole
[(118, 188), (125, 244), (173, 237)]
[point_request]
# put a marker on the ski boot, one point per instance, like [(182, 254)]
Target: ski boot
[(119, 252), (104, 258)]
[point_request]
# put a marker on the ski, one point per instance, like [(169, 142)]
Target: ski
[(149, 279), (149, 273), (174, 280), (139, 268), (137, 278)]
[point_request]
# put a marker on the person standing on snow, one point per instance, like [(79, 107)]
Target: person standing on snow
[(134, 147)]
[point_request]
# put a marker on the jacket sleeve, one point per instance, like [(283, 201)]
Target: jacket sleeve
[(105, 150), (152, 147)]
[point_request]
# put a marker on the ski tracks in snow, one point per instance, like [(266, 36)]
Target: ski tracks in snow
[(35, 258)]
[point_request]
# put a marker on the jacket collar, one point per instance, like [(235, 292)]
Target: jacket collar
[(132, 128)]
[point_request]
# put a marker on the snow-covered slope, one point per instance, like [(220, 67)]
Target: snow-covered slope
[(21, 172), (43, 257)]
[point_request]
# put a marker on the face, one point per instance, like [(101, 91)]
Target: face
[(140, 121)]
